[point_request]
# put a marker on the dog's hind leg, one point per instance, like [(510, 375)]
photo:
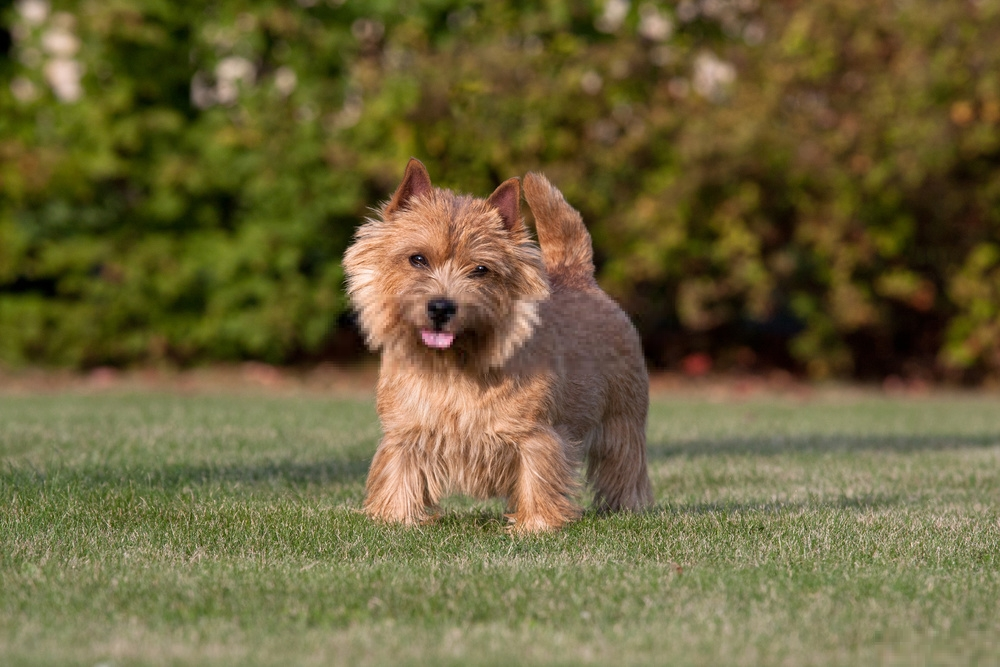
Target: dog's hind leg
[(616, 460)]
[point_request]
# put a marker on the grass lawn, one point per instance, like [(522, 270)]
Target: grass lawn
[(167, 529)]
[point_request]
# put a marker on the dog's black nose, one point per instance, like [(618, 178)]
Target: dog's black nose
[(441, 310)]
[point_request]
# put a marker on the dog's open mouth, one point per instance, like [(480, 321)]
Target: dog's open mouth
[(439, 340)]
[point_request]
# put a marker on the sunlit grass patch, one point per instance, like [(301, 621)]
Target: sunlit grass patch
[(158, 529)]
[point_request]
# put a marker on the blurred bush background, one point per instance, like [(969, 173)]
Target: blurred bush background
[(811, 185)]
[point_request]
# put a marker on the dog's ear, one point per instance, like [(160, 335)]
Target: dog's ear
[(416, 182), (506, 199)]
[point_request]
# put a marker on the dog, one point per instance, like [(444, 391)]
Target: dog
[(503, 365)]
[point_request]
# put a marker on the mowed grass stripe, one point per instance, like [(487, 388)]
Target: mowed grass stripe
[(150, 529)]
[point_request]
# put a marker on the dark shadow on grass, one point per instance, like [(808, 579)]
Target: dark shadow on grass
[(760, 446), (353, 470), (494, 521), (481, 519), (287, 474)]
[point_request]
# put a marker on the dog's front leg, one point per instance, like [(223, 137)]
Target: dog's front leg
[(396, 490), (545, 490)]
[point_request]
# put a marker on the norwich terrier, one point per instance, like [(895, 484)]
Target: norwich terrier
[(504, 366)]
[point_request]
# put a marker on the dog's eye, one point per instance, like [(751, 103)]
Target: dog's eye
[(418, 261), (480, 271)]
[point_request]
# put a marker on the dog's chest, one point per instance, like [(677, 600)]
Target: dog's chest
[(453, 407)]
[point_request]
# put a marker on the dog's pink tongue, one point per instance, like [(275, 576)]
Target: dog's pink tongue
[(437, 339)]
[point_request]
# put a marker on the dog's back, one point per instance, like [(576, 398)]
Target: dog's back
[(605, 393)]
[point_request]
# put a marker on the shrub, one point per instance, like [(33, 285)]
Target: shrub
[(808, 184)]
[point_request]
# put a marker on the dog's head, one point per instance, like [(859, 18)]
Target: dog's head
[(447, 277)]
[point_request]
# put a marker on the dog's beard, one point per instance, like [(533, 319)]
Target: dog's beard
[(461, 333), (482, 334)]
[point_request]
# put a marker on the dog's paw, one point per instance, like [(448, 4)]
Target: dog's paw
[(532, 524), (403, 516)]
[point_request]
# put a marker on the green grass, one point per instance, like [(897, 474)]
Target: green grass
[(161, 529)]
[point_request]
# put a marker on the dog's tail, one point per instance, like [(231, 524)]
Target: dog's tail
[(566, 247)]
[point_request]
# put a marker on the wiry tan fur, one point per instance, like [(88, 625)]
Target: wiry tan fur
[(545, 370)]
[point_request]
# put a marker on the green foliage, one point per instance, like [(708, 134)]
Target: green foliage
[(813, 182)]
